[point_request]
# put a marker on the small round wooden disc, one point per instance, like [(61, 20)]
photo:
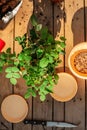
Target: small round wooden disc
[(66, 88), (14, 108)]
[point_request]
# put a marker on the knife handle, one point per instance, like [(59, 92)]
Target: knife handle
[(34, 122)]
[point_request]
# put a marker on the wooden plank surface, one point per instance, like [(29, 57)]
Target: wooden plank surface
[(85, 11), (5, 90), (74, 33), (21, 27), (22, 20), (43, 111), (58, 107), (5, 86)]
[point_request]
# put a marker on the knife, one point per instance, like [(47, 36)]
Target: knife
[(49, 123), (10, 14)]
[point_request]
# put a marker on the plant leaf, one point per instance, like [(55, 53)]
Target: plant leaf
[(3, 55), (16, 63), (63, 38), (62, 44), (44, 33), (8, 70), (13, 81), (43, 62), (27, 95), (42, 97), (2, 63), (9, 75), (33, 34), (50, 39), (30, 92), (51, 59), (21, 56), (39, 52), (18, 39), (33, 93), (49, 88), (8, 50), (38, 27), (33, 20), (16, 75), (56, 77), (15, 69), (1, 69)]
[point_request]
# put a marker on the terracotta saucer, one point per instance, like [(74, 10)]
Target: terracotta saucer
[(78, 49), (66, 87), (14, 108)]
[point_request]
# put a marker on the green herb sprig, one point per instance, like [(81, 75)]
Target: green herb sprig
[(36, 62)]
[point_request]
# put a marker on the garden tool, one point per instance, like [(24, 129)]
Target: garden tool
[(8, 12)]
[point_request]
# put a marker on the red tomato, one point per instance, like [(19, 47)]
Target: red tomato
[(2, 44)]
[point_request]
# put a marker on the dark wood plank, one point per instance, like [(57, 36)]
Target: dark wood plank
[(85, 28), (43, 111), (5, 90), (43, 11), (74, 32), (22, 20), (21, 27), (58, 108), (5, 86), (20, 89)]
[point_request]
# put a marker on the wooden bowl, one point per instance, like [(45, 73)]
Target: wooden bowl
[(14, 108), (66, 88), (77, 60)]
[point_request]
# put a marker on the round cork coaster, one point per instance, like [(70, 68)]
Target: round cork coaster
[(14, 108), (66, 87)]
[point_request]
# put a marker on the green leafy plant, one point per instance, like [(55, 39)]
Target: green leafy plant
[(36, 62)]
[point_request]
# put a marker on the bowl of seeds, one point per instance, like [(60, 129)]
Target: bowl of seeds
[(77, 60)]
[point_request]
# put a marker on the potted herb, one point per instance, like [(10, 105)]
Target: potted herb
[(36, 62)]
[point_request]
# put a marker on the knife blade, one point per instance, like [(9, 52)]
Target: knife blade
[(10, 14), (49, 123)]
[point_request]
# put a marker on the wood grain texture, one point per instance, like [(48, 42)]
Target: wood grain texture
[(74, 33), (43, 11), (58, 107), (58, 24), (7, 35), (42, 111), (20, 89), (22, 20), (5, 87), (74, 25), (5, 90), (69, 19), (85, 28), (21, 26)]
